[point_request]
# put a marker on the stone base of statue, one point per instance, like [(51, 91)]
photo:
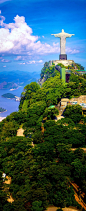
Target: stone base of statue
[(64, 62), (63, 57)]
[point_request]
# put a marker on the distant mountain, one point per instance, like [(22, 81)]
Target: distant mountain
[(8, 85), (13, 79)]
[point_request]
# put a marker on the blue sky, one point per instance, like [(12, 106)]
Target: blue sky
[(26, 27)]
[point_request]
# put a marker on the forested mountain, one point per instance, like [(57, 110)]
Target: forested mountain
[(51, 70), (42, 164)]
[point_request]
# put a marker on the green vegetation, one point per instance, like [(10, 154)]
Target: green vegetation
[(2, 109), (48, 71), (79, 66), (74, 111), (61, 65), (51, 70), (8, 95), (50, 113), (41, 172), (77, 84)]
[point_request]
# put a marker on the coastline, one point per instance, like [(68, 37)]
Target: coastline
[(15, 88), (16, 98), (1, 118), (11, 105), (3, 111), (8, 98)]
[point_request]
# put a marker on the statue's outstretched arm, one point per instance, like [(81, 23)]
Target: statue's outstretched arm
[(69, 35), (56, 35), (63, 34)]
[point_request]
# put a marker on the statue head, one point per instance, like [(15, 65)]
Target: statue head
[(62, 30)]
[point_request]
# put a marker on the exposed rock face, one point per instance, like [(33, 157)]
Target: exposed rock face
[(41, 81)]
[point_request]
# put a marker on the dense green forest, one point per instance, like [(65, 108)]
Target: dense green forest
[(42, 164)]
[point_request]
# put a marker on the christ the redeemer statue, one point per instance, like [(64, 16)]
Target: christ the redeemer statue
[(62, 37)]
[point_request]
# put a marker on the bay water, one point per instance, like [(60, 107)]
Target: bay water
[(9, 104)]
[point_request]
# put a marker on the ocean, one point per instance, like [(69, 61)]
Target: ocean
[(9, 104)]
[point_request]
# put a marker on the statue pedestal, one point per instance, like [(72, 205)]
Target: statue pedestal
[(63, 57), (64, 62)]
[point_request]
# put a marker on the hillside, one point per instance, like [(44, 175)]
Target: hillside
[(42, 163), (51, 70)]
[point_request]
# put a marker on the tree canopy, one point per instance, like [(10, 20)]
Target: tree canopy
[(42, 164)]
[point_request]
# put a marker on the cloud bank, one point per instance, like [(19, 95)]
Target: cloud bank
[(32, 62), (17, 39)]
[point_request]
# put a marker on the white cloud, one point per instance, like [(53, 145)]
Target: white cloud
[(5, 60), (17, 39), (18, 58), (40, 61), (4, 66), (32, 62), (2, 19), (22, 63), (72, 51), (35, 62)]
